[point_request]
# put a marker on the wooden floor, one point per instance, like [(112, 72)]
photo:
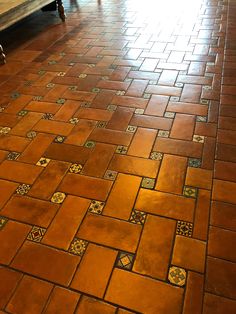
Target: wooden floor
[(118, 159)]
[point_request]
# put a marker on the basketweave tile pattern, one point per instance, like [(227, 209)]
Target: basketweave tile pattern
[(117, 158)]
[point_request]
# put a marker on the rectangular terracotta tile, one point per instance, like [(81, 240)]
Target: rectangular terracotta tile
[(80, 132), (201, 178), (67, 110), (111, 232), (19, 172), (7, 189), (223, 191), (139, 293), (61, 301), (183, 127), (134, 165), (137, 88), (142, 143), (208, 153), (206, 129), (164, 90), (46, 262), (9, 280), (53, 127), (67, 219), (168, 77), (43, 106), (111, 136), (13, 143), (164, 204), (84, 186), (95, 165), (79, 95), (128, 101), (94, 270), (187, 108), (220, 277), (172, 174), (217, 304), (120, 119), (157, 105), (223, 215), (30, 210), (23, 301), (94, 114), (191, 93), (181, 257), (194, 293), (121, 201), (155, 245), (149, 65), (26, 123), (89, 305), (178, 147), (49, 179), (8, 120), (151, 122), (12, 237)]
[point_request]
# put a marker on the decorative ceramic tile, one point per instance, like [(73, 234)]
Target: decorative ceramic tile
[(37, 98), (58, 197), (207, 87), (146, 96), (82, 75), (15, 95), (209, 74), (170, 115), (50, 85), (139, 111), (13, 156), (36, 234), (163, 133), (204, 101), (4, 130), (90, 144), (3, 222), (47, 116), (62, 54), (60, 101), (22, 113), (153, 82), (91, 65), (184, 228), (134, 68), (78, 247), (61, 73), (85, 105), (113, 66), (111, 107), (156, 156), (71, 64), (137, 217), (51, 62), (95, 90), (179, 84), (43, 162), (74, 120), (210, 63), (59, 139), (105, 78), (173, 98), (131, 129), (120, 93), (41, 72), (72, 88), (198, 138), (148, 183), (96, 207), (201, 119), (177, 276), (31, 134), (125, 260), (2, 109), (121, 149), (194, 162), (76, 168), (23, 189), (110, 175), (190, 192), (101, 124), (28, 83)]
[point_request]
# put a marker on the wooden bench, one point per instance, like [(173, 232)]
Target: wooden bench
[(12, 11)]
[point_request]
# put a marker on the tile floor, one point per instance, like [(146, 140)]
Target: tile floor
[(118, 159)]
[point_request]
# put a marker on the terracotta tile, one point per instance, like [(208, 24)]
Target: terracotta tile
[(62, 301), (135, 165), (121, 201), (208, 153), (221, 242), (142, 143), (198, 177), (49, 179), (181, 257), (187, 108), (13, 143), (120, 119), (94, 114), (157, 105), (9, 280), (137, 88), (68, 218), (139, 293), (20, 172), (8, 120), (95, 165), (67, 110), (93, 306), (94, 270), (53, 127), (225, 152), (164, 204), (79, 95), (218, 305), (111, 136), (176, 166), (80, 132), (84, 186), (30, 210), (220, 277), (46, 262), (191, 93), (194, 293), (164, 90), (180, 132), (206, 129), (168, 77), (12, 236), (225, 170), (33, 302), (26, 123), (43, 106), (122, 235), (103, 99), (127, 101), (223, 191), (223, 215), (155, 245), (151, 122), (7, 189)]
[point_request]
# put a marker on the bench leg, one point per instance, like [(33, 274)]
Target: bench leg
[(61, 10), (2, 56)]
